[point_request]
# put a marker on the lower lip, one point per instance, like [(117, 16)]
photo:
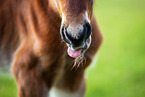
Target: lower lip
[(74, 54)]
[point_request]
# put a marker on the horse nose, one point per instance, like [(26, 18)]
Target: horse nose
[(72, 36)]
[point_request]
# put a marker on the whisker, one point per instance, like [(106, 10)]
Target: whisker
[(74, 65), (79, 64)]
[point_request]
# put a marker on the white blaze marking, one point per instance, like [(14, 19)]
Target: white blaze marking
[(63, 19), (87, 18), (56, 1)]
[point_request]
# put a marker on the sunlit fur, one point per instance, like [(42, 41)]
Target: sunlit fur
[(30, 39)]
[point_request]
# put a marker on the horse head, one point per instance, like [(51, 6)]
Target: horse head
[(75, 25)]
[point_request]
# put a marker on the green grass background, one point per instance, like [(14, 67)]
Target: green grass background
[(120, 67)]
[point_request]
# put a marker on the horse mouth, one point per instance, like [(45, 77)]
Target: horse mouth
[(74, 53), (79, 51)]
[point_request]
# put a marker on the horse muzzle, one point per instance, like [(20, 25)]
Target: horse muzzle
[(78, 38)]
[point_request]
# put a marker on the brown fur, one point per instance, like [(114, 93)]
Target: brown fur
[(30, 36)]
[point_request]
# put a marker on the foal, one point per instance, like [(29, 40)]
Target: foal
[(48, 41)]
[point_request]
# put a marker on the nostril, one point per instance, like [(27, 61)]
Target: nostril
[(87, 30), (63, 34)]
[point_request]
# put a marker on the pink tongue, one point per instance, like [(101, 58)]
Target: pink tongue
[(74, 54)]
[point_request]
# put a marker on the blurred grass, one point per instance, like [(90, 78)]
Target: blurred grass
[(120, 70), (121, 65), (7, 85)]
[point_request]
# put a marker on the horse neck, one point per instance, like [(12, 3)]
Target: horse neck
[(25, 18), (44, 16), (38, 18)]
